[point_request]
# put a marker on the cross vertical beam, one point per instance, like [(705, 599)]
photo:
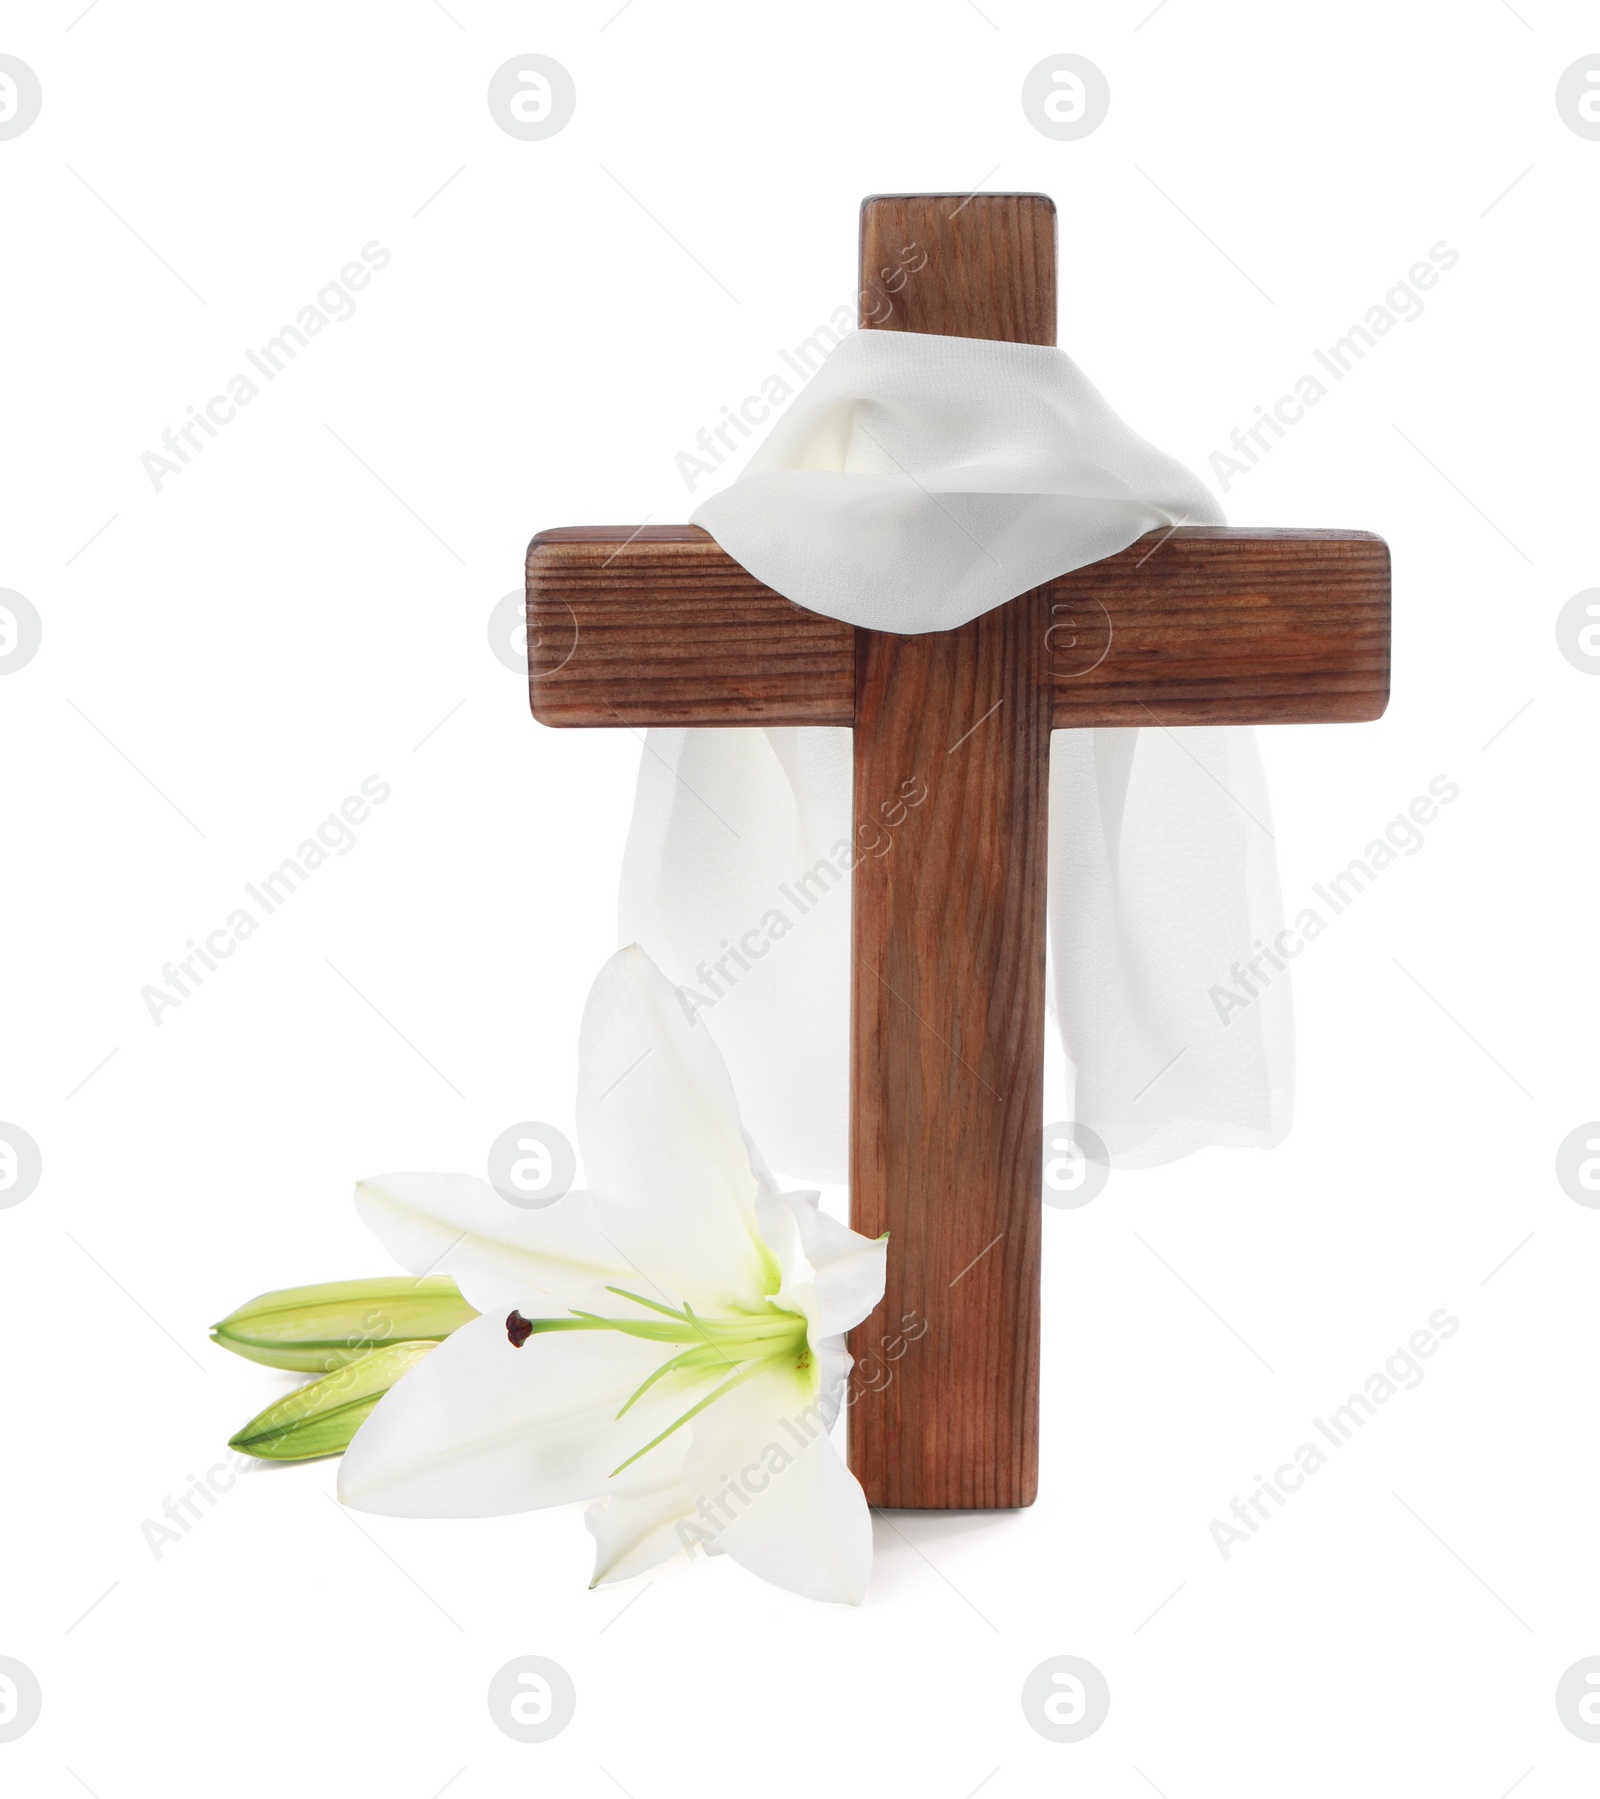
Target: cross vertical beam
[(948, 962)]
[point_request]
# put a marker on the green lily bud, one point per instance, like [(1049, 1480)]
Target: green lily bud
[(320, 1419), (314, 1330)]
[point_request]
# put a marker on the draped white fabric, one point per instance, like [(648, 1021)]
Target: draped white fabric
[(919, 481), (915, 483)]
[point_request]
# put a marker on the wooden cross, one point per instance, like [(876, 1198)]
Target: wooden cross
[(1186, 627)]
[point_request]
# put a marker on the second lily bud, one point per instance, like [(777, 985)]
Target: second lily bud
[(321, 1417)]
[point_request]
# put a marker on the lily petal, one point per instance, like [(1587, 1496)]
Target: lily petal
[(831, 1273), (500, 1254), (479, 1429), (663, 1150), (834, 1363), (637, 1525), (798, 1516)]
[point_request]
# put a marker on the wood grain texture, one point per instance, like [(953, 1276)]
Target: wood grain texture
[(990, 268), (1197, 627), (1209, 626), (947, 956), (947, 1047), (661, 627)]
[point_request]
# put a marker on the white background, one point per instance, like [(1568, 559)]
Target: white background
[(276, 624)]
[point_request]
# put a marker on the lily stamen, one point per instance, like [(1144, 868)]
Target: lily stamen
[(743, 1344)]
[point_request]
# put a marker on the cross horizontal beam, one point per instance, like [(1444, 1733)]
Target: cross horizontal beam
[(1195, 626)]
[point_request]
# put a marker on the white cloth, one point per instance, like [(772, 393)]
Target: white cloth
[(919, 481), (915, 483)]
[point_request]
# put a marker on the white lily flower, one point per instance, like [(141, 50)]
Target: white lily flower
[(669, 1343)]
